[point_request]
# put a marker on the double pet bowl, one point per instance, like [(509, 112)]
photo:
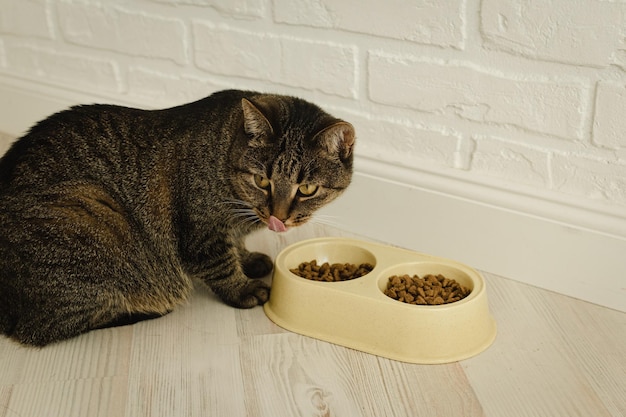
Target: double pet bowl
[(357, 314)]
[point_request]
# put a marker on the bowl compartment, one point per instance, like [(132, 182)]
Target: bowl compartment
[(331, 252), (458, 273)]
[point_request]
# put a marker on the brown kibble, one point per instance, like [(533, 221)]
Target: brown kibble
[(430, 290), (420, 291), (330, 273), (336, 275)]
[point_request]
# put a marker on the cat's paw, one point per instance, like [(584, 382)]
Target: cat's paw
[(255, 293), (256, 265)]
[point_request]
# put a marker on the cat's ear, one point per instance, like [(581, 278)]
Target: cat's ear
[(337, 139), (255, 123)]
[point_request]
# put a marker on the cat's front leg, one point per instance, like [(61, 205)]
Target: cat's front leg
[(224, 274), (255, 264), (246, 293)]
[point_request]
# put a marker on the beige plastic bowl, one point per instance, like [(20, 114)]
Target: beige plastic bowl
[(357, 314)]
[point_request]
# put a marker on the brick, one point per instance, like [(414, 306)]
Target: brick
[(467, 92), (592, 179), (77, 71), (510, 161), (403, 143), (121, 30), (583, 32), (237, 8), (427, 22), (323, 66), (161, 89), (250, 54), (609, 123), (25, 18)]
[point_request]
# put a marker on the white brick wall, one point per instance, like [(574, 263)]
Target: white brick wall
[(235, 8), (75, 69), (578, 32), (511, 161), (477, 94), (526, 93), (25, 18), (115, 28), (296, 62), (429, 22), (609, 123)]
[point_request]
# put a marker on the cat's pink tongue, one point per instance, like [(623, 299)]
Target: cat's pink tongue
[(276, 225)]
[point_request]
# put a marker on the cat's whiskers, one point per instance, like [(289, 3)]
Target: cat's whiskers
[(242, 212), (325, 219), (236, 202), (324, 216), (246, 219)]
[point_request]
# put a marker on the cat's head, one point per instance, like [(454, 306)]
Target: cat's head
[(291, 158)]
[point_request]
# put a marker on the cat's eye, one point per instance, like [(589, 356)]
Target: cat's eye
[(261, 181), (307, 190)]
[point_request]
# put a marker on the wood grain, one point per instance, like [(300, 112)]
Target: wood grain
[(553, 356), (530, 364)]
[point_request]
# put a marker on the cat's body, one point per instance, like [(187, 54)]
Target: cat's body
[(107, 213)]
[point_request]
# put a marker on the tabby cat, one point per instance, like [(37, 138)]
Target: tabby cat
[(108, 214)]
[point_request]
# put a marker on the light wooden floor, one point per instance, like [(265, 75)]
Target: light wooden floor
[(553, 356)]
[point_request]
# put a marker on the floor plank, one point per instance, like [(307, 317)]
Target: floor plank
[(427, 390), (529, 364), (98, 397), (307, 378), (186, 363)]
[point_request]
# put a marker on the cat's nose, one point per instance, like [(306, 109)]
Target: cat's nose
[(280, 211)]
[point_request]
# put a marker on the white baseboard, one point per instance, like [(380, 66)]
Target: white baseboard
[(563, 246)]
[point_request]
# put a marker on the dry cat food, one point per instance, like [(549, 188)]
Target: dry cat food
[(331, 272), (430, 290)]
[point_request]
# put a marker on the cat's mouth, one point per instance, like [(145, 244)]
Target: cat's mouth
[(276, 225)]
